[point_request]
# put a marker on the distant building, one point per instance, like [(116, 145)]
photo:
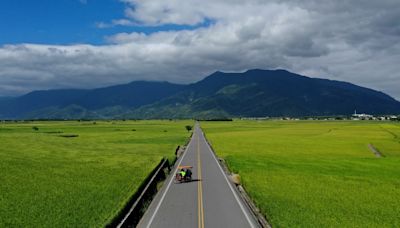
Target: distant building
[(362, 116), (254, 118)]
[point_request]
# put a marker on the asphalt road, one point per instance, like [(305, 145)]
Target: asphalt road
[(209, 200)]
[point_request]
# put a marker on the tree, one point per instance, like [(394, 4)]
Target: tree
[(188, 128)]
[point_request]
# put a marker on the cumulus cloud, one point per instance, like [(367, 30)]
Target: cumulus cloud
[(356, 41)]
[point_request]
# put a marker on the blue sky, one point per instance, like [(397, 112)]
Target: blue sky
[(51, 44), (55, 21), (66, 21)]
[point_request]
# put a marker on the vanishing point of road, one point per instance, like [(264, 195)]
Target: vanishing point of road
[(210, 200)]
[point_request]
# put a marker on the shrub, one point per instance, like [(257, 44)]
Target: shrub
[(188, 128)]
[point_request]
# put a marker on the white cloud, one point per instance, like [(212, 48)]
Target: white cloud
[(356, 41)]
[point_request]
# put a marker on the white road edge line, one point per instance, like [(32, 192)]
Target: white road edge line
[(230, 186), (169, 184)]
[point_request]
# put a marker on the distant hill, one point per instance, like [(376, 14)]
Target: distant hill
[(16, 107), (254, 93), (133, 95), (93, 103)]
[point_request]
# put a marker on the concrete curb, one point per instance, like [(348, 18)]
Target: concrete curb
[(256, 211), (130, 214), (135, 208)]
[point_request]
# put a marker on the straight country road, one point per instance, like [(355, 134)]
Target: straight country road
[(210, 200)]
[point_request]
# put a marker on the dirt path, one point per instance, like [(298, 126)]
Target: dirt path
[(374, 150)]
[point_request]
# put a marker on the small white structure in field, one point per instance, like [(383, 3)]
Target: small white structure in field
[(362, 116)]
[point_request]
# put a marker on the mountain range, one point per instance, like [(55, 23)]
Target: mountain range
[(254, 93)]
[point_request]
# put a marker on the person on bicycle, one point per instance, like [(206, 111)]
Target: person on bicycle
[(182, 173)]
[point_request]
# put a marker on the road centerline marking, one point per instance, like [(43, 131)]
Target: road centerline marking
[(199, 187)]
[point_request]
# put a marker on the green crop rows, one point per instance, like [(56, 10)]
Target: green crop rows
[(78, 174), (315, 174)]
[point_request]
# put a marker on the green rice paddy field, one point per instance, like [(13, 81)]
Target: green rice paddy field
[(52, 181), (315, 173)]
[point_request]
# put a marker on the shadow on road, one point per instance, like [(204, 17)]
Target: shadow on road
[(186, 182)]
